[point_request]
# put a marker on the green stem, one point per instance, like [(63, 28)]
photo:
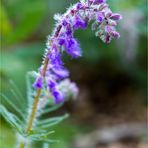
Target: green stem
[(32, 115), (33, 112), (35, 106)]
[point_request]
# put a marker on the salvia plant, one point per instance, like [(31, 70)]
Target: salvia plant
[(51, 87)]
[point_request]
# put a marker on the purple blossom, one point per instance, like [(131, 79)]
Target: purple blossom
[(79, 23), (115, 34), (55, 57), (60, 72), (100, 17), (38, 84), (72, 48), (116, 16), (58, 97)]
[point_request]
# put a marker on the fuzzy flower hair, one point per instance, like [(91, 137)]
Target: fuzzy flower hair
[(78, 16)]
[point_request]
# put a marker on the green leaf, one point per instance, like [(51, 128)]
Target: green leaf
[(50, 109), (13, 120), (46, 145), (27, 21), (46, 123), (13, 106)]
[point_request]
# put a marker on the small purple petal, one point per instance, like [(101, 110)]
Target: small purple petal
[(68, 31), (60, 72), (100, 17), (108, 29), (115, 34), (72, 48), (116, 16), (65, 22), (79, 23), (55, 57), (79, 5), (99, 1), (61, 41), (107, 39), (58, 97), (38, 84), (51, 84)]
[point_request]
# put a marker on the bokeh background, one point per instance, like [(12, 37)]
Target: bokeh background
[(112, 78)]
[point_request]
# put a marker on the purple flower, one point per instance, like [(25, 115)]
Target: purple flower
[(60, 72), (73, 48), (100, 17), (58, 97), (108, 29), (98, 1), (77, 17), (38, 84), (51, 84), (116, 16), (55, 57), (79, 5), (79, 23), (61, 41), (68, 31), (115, 34)]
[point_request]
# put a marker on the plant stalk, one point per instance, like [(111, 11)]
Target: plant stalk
[(34, 106)]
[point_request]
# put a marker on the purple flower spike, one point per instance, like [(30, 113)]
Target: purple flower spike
[(38, 84), (76, 17), (116, 16)]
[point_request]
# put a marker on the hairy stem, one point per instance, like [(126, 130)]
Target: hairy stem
[(34, 106), (38, 93), (33, 112)]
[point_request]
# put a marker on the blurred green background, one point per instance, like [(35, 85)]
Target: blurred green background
[(109, 76)]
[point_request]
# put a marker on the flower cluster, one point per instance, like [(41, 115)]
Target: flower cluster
[(77, 17)]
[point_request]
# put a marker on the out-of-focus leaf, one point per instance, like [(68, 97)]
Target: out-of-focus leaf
[(14, 121), (48, 109), (5, 26), (13, 105), (46, 123), (27, 21)]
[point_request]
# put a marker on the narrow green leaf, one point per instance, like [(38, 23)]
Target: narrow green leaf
[(50, 109), (17, 100), (50, 122), (14, 121), (17, 91), (14, 106), (41, 135), (29, 88), (46, 145)]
